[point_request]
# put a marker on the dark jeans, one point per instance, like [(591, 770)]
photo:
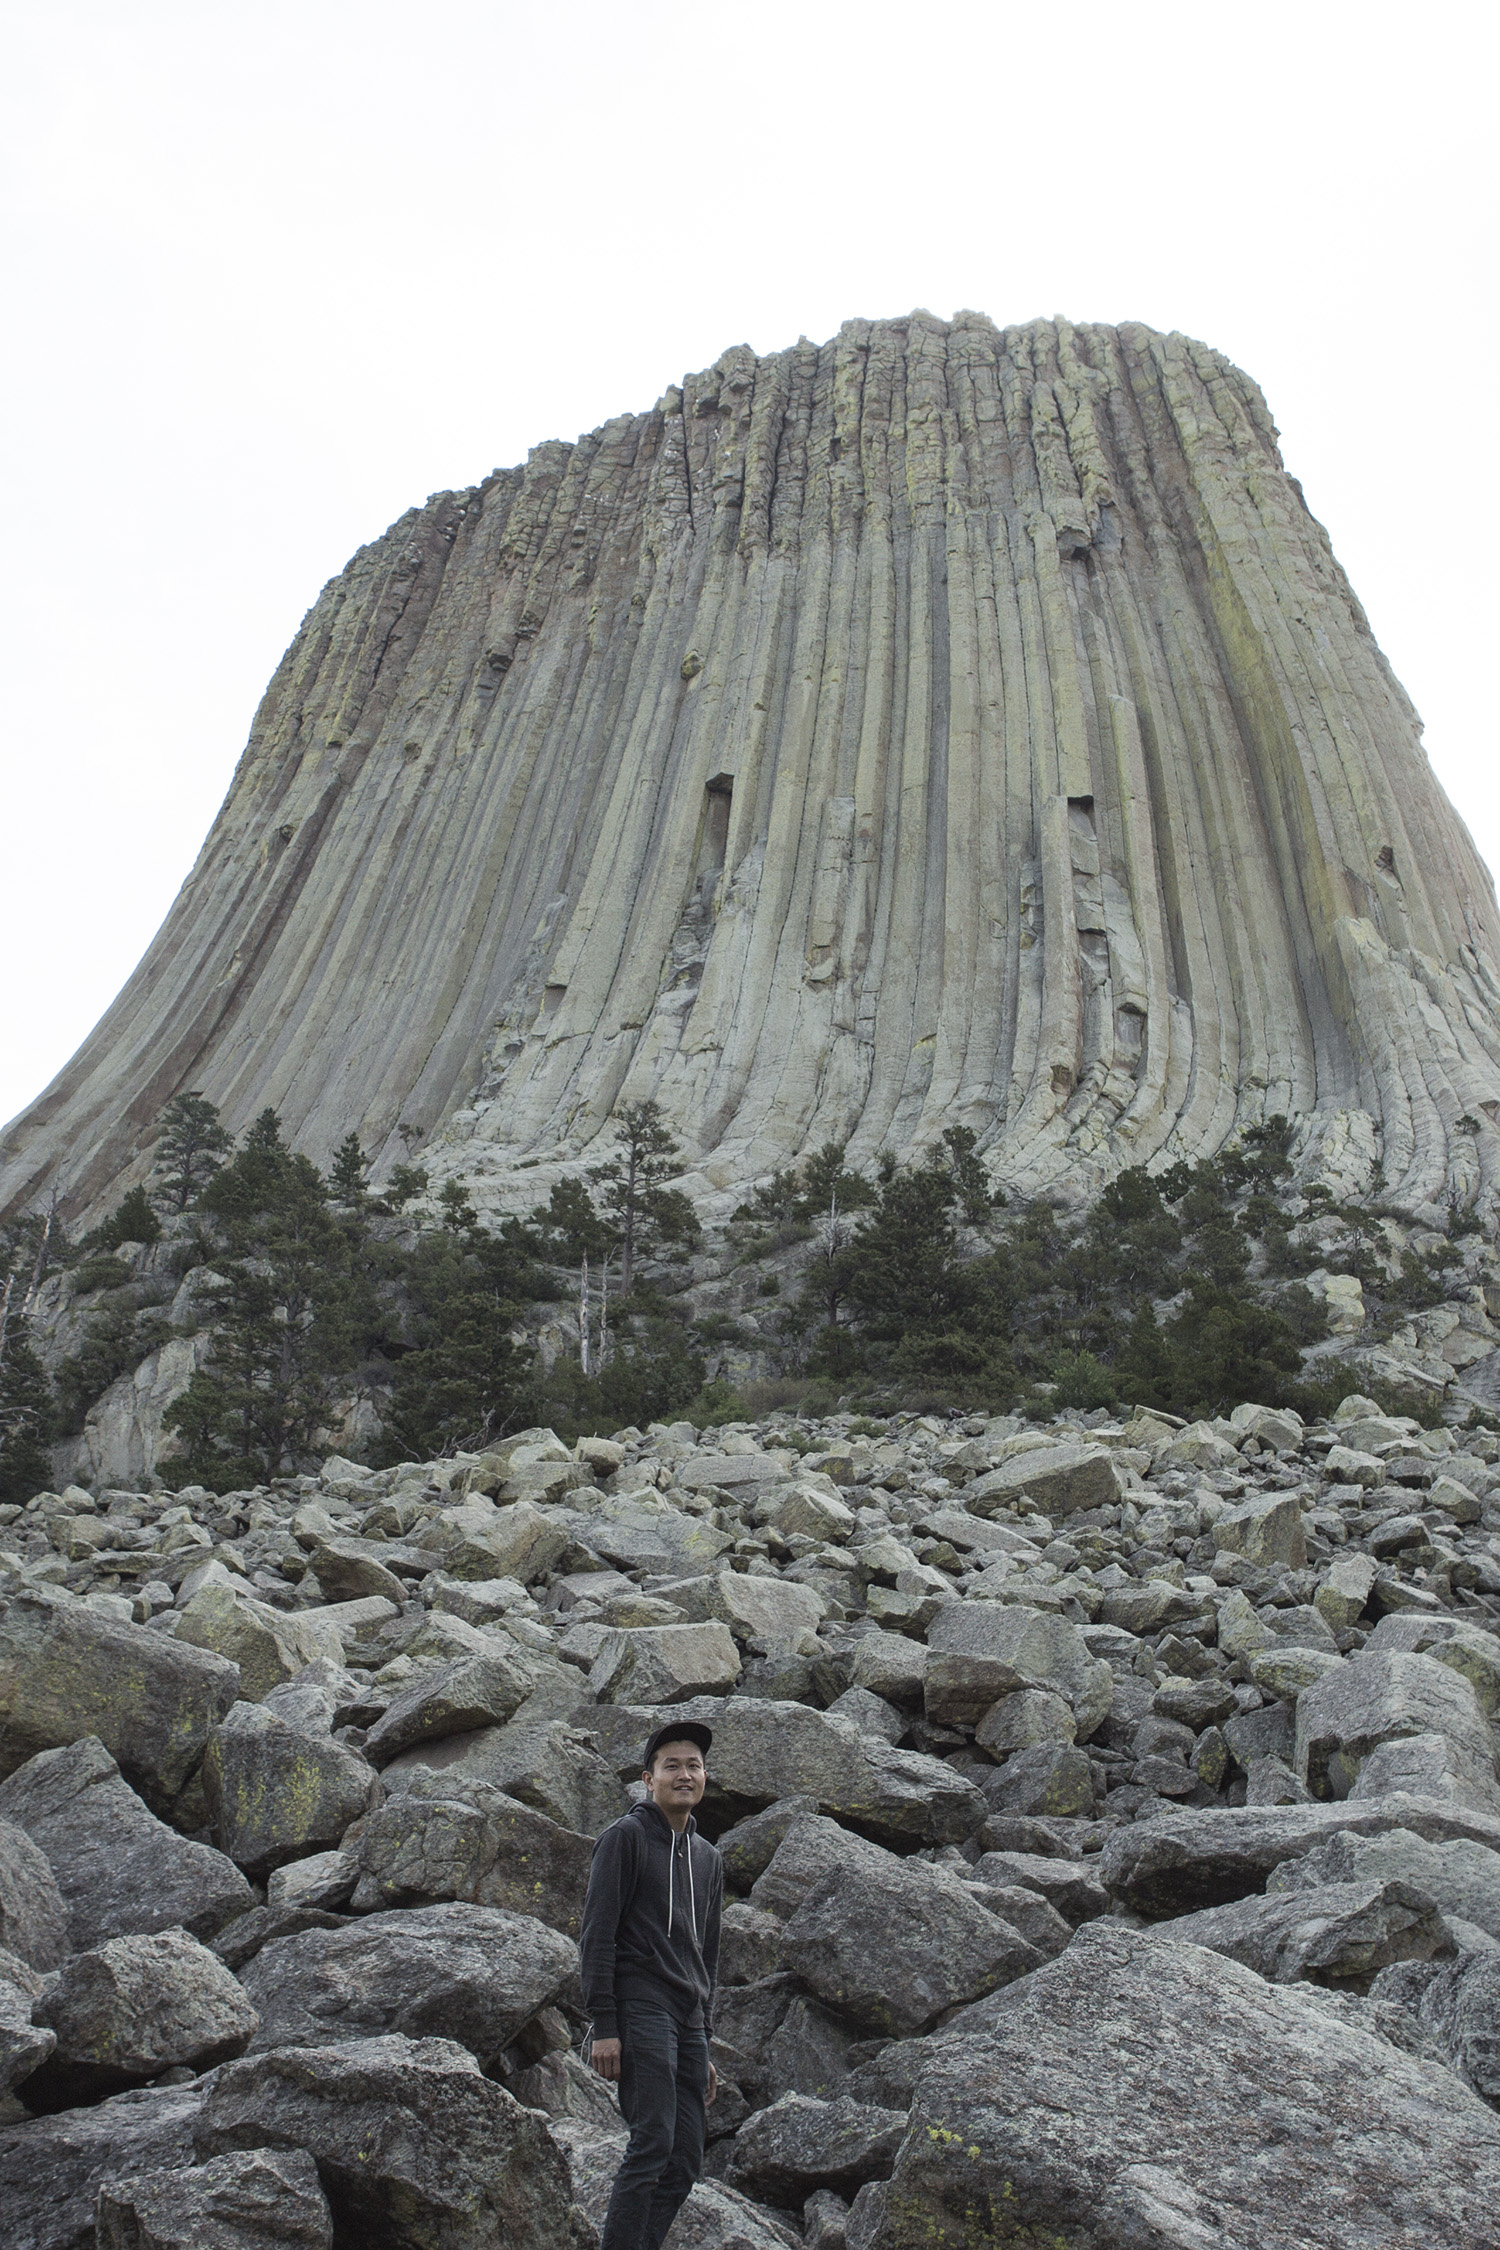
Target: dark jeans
[(663, 2081)]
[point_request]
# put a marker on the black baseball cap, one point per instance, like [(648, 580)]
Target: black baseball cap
[(678, 1730)]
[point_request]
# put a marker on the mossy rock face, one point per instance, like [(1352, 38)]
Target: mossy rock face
[(67, 1672), (275, 1794)]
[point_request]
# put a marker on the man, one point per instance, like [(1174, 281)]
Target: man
[(650, 1948)]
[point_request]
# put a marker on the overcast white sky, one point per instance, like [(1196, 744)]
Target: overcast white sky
[(275, 272)]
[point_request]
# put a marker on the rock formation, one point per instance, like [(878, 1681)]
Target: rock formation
[(943, 725), (1110, 1819)]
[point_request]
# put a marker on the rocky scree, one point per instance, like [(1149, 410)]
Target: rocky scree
[(1153, 1762)]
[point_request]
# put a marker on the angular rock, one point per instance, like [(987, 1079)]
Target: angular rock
[(246, 2201), (1338, 1932), (1184, 1860), (1053, 1780), (1429, 1765), (243, 1938), (764, 1751), (1070, 1886), (451, 1837), (1379, 1696), (803, 1508), (1199, 1446), (892, 1667), (1457, 2005), (749, 1944), (1453, 1641), (33, 1913), (783, 2153), (1025, 1720), (549, 1767), (520, 1542), (811, 1850), (479, 1690), (66, 1673), (325, 1879), (752, 1605), (120, 1870), (1286, 1671), (715, 2216), (665, 1663), (1346, 1589), (980, 1651), (748, 1848), (478, 1971), (1197, 1703), (275, 1793), (1463, 1877), (414, 2149), (873, 1715), (1027, 1913), (269, 1646), (130, 2009), (23, 2044), (839, 1941), (50, 2170), (1131, 2092), (1265, 1529), (1144, 1608), (1059, 1478)]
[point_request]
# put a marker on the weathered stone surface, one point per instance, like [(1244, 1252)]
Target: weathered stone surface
[(764, 1751), (1185, 1860), (1071, 1886), (749, 1847), (1345, 1590), (548, 1766), (66, 1672), (447, 1836), (980, 1651), (275, 1793), (478, 1690), (1025, 1720), (1429, 1765), (33, 1913), (665, 1663), (1128, 2095), (1059, 1478), (137, 2006), (1463, 1877), (1266, 1529), (811, 1849), (715, 2216), (752, 1605), (478, 1972), (1456, 1642), (1337, 1932), (243, 1938), (50, 2170), (1052, 1780), (839, 1941), (783, 2153), (23, 2044), (260, 2199), (268, 1645), (749, 1944), (120, 1870), (1457, 2004), (324, 1879), (1376, 1697), (519, 1541), (892, 1667), (414, 2149)]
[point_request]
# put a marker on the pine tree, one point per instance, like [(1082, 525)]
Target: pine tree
[(191, 1147), (349, 1175), (650, 1216), (25, 1415)]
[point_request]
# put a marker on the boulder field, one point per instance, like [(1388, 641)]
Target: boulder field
[(1109, 1808)]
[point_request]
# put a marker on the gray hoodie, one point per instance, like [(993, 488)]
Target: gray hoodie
[(651, 1921)]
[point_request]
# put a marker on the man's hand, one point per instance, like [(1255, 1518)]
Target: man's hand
[(713, 2085), (605, 2057)]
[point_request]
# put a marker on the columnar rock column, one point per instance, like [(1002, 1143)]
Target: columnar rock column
[(943, 725)]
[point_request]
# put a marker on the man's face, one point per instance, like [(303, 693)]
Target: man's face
[(676, 1779)]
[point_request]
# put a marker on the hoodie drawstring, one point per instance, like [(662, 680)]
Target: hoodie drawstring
[(687, 1846)]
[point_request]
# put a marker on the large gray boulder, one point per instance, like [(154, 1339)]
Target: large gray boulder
[(1181, 1861), (1430, 1765), (257, 2199), (481, 1689), (979, 1651), (130, 2009), (665, 1663), (781, 2154), (550, 1766), (472, 1973), (1463, 1877), (277, 1793), (33, 1914), (414, 2149), (1457, 2005), (1141, 2095), (446, 1836), (892, 1946), (269, 1646), (1070, 1886), (24, 2045), (50, 2170), (67, 1672), (1337, 1933), (1381, 1696), (811, 1849), (121, 1871), (763, 1751), (1267, 1528), (1454, 1641), (1059, 1478)]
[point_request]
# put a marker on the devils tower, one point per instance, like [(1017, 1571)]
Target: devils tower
[(941, 725)]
